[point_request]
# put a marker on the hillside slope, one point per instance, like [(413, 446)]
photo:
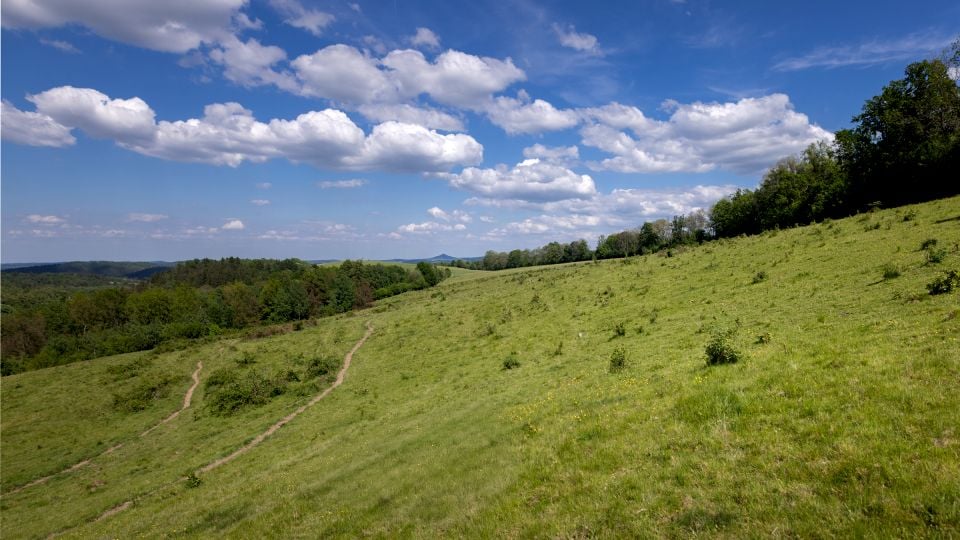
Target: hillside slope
[(839, 420)]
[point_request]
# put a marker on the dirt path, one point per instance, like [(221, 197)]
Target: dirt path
[(187, 398), (283, 421)]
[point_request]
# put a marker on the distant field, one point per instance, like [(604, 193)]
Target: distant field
[(840, 419)]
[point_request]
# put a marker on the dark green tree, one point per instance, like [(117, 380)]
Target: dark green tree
[(905, 146)]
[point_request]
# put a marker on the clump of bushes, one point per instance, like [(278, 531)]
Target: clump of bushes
[(618, 360), (936, 256), (511, 362), (720, 350), (193, 480), (928, 243), (945, 283), (320, 366), (760, 276), (890, 271), (227, 391), (143, 394)]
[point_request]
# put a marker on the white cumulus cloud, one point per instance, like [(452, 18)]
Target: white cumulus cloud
[(32, 128), (516, 116), (529, 180), (233, 225), (170, 26), (556, 154), (97, 114), (425, 38), (454, 215), (409, 114), (229, 134), (746, 136)]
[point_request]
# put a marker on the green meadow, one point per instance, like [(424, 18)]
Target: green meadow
[(566, 401)]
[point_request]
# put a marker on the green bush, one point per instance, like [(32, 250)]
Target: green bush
[(945, 283), (511, 362), (928, 243), (193, 480), (890, 271), (320, 366), (143, 394), (227, 392), (760, 276), (620, 329), (618, 360), (936, 256), (720, 350)]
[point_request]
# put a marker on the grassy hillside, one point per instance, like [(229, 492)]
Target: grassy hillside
[(839, 420)]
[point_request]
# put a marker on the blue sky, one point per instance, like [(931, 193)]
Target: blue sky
[(144, 130)]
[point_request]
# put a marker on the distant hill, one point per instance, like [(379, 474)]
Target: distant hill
[(442, 258), (133, 270)]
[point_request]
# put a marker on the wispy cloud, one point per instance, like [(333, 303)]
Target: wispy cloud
[(260, 202), (869, 53), (64, 46), (341, 184), (264, 185), (580, 41), (145, 218), (45, 220)]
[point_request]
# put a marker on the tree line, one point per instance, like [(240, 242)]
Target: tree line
[(904, 148), (197, 298)]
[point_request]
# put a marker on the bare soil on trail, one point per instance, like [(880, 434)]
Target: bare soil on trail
[(187, 398), (286, 419)]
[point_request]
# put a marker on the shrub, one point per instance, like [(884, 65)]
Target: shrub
[(764, 338), (559, 350), (618, 360), (193, 480), (620, 329), (760, 276), (936, 256), (143, 394), (511, 362), (910, 215), (928, 243), (227, 392), (890, 271), (945, 283), (720, 350), (320, 366)]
